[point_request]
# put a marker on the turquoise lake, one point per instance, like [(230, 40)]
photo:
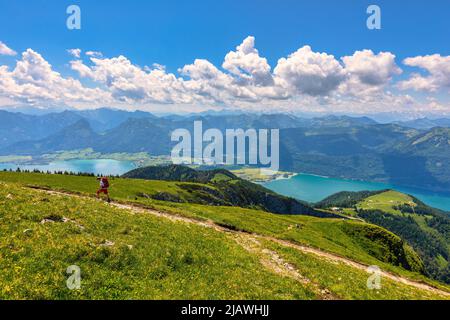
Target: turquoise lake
[(313, 188), (96, 166)]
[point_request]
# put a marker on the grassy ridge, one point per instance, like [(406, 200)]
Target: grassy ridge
[(426, 229), (327, 234), (221, 187), (138, 256), (388, 201), (345, 281), (150, 258)]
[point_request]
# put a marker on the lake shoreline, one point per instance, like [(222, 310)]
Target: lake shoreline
[(302, 186), (314, 188)]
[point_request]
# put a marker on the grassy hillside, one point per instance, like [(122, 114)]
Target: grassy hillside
[(332, 235), (179, 173), (121, 256), (130, 255), (221, 187), (345, 199), (426, 229)]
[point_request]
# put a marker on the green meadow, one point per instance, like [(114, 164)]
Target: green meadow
[(128, 255)]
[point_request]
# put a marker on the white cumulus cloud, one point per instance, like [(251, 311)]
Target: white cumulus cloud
[(305, 80), (5, 50), (93, 54), (246, 64), (368, 73), (128, 82), (370, 68), (33, 81), (438, 73), (309, 72), (74, 52)]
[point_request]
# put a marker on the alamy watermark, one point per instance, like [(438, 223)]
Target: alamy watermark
[(374, 20), (73, 282), (235, 147), (73, 22), (374, 281)]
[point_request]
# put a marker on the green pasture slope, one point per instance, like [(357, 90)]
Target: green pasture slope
[(121, 256), (425, 228), (126, 255)]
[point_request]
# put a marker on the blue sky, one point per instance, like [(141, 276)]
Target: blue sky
[(175, 33)]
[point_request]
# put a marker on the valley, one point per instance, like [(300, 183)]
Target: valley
[(313, 188), (334, 146)]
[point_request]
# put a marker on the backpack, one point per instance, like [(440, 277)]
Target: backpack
[(105, 182)]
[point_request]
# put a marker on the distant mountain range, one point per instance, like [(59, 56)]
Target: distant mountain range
[(388, 153), (115, 130), (15, 127), (425, 123), (336, 146), (18, 127)]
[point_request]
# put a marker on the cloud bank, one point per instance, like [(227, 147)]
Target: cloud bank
[(305, 80)]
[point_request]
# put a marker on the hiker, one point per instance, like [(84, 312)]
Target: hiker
[(104, 185)]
